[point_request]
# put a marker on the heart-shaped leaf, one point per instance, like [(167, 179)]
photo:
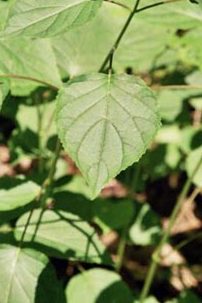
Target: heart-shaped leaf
[(106, 122)]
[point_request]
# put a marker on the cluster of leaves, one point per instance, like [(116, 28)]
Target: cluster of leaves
[(50, 85)]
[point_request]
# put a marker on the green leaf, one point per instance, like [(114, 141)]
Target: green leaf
[(147, 227), (4, 89), (45, 18), (191, 162), (98, 285), (18, 196), (24, 276), (100, 116), (148, 300), (62, 235), (29, 58), (109, 214), (186, 296), (4, 9)]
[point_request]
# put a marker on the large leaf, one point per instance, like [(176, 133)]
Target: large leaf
[(63, 234), (24, 277), (18, 196), (105, 124), (43, 18), (98, 285)]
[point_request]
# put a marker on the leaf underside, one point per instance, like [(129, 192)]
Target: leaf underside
[(105, 124)]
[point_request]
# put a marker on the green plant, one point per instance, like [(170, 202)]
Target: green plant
[(70, 77)]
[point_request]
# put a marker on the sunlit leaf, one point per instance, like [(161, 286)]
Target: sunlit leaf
[(105, 124), (98, 285), (43, 18), (63, 235)]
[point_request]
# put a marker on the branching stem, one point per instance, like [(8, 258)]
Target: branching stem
[(118, 40), (109, 57)]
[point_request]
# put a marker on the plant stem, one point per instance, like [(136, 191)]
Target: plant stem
[(19, 77), (118, 40), (155, 5), (45, 189), (121, 249), (123, 239), (156, 255), (126, 25), (49, 181)]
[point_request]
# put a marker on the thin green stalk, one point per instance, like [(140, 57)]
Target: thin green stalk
[(45, 190), (49, 181), (19, 77), (110, 55), (156, 255), (155, 5), (135, 11), (123, 239), (121, 249)]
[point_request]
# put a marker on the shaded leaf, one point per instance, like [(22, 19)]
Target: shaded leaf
[(109, 214), (100, 116)]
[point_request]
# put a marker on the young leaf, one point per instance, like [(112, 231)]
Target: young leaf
[(62, 235), (98, 285), (18, 196), (146, 229), (105, 124), (21, 270), (45, 18)]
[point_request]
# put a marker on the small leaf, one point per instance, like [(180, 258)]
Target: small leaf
[(62, 235), (106, 124), (98, 285), (18, 196), (191, 163), (45, 18), (20, 272), (146, 228)]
